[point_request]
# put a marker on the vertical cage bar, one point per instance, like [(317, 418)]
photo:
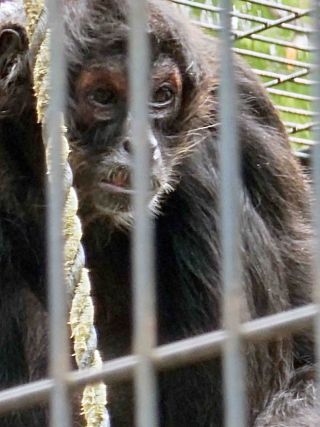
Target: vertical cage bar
[(233, 365), (59, 343), (316, 179), (143, 248)]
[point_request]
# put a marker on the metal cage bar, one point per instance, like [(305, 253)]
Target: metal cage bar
[(234, 401), (251, 27), (143, 275), (171, 355), (316, 181), (60, 413), (147, 357)]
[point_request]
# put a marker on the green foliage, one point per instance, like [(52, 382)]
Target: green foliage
[(290, 46)]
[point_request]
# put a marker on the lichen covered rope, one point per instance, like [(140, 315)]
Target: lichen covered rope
[(76, 275)]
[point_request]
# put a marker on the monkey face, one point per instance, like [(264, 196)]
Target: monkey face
[(101, 140), (99, 121)]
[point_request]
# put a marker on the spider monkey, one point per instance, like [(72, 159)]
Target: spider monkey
[(184, 199), (22, 225)]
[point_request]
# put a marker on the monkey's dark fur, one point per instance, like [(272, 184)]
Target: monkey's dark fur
[(22, 213), (275, 221)]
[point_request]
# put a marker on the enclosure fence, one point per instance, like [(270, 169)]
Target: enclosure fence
[(147, 358), (276, 39)]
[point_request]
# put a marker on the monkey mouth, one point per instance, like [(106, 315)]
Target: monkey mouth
[(119, 181)]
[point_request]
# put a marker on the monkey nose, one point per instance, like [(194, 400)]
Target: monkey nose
[(153, 149)]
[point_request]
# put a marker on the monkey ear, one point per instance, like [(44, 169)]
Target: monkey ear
[(12, 40)]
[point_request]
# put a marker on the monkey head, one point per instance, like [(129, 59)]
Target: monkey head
[(99, 121), (14, 70)]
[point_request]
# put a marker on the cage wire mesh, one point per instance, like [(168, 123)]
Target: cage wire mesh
[(274, 37)]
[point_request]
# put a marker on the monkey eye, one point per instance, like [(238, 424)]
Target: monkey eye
[(101, 97), (163, 96)]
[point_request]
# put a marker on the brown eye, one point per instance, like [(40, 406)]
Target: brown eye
[(163, 96), (101, 97)]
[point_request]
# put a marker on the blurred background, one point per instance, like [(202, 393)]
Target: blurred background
[(274, 37)]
